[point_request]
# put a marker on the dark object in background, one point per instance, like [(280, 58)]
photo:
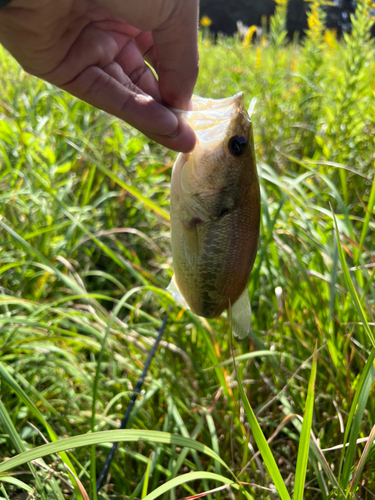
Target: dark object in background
[(224, 14), (296, 21), (338, 15)]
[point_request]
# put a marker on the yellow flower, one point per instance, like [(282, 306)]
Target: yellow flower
[(283, 3), (206, 22), (314, 22), (263, 41), (249, 36), (330, 38), (258, 59)]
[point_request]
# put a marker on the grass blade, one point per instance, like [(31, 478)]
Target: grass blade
[(134, 192), (363, 460), (65, 279), (263, 446), (127, 435), (7, 377), (355, 418), (18, 443), (304, 443), (190, 476), (16, 482), (351, 288), (130, 189), (366, 223), (146, 480)]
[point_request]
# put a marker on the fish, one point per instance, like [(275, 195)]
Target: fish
[(215, 212)]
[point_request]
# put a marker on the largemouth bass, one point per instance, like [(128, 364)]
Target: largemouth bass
[(215, 213)]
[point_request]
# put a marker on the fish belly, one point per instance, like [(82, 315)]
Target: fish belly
[(220, 271)]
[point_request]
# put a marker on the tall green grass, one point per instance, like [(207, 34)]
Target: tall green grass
[(85, 259)]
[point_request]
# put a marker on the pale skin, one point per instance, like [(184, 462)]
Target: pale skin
[(95, 50)]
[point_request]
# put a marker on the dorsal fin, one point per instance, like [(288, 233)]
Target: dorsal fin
[(241, 315)]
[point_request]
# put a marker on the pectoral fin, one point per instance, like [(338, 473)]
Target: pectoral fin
[(177, 295), (191, 244), (241, 315)]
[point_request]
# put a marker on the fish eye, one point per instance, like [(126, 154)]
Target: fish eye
[(237, 145)]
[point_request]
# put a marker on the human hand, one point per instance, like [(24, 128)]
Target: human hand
[(95, 50)]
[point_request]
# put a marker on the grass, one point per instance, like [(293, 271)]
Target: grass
[(85, 259)]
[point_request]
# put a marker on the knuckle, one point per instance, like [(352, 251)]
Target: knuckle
[(138, 74), (127, 103), (98, 83)]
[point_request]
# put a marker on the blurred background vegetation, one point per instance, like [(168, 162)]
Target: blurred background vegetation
[(224, 14), (85, 259)]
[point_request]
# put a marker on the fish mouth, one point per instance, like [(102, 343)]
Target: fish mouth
[(208, 105), (210, 118)]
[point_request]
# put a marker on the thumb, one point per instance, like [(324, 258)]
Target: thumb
[(176, 43)]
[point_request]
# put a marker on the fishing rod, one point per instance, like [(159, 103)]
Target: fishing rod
[(137, 390)]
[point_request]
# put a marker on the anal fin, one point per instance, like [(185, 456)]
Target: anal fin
[(241, 315), (177, 295)]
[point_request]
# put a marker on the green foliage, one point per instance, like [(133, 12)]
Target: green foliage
[(264, 449), (304, 444), (85, 259)]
